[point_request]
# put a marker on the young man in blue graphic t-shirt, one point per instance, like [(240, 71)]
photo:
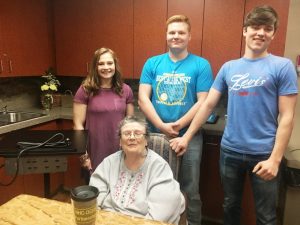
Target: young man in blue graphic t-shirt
[(172, 87), (262, 93)]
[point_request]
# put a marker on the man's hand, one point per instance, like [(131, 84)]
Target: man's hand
[(170, 129), (267, 169), (179, 145)]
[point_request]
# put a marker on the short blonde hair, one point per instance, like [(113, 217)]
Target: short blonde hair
[(179, 18)]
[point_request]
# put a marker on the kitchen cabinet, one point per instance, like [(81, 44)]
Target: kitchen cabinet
[(45, 126), (223, 25), (72, 21), (114, 21), (149, 31), (72, 177), (135, 30), (63, 124), (194, 9), (26, 35), (34, 183), (28, 183), (211, 191), (8, 192), (277, 46), (81, 27), (222, 31), (59, 124)]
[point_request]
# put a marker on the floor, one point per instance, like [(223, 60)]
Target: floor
[(62, 196)]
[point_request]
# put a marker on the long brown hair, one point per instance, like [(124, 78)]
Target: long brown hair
[(92, 83)]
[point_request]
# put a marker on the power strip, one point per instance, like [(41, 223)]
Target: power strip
[(37, 164)]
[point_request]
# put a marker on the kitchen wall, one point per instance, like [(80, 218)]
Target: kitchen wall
[(19, 92), (24, 92), (19, 89), (292, 49)]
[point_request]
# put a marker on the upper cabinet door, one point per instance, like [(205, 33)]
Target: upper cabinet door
[(113, 28), (134, 29), (194, 10), (149, 31), (222, 31), (2, 54), (26, 37), (73, 35), (82, 26), (282, 8)]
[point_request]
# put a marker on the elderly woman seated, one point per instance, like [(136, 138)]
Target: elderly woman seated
[(137, 181)]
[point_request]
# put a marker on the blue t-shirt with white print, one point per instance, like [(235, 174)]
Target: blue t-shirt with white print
[(175, 84), (253, 88)]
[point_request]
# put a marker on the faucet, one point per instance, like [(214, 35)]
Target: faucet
[(4, 109), (68, 92)]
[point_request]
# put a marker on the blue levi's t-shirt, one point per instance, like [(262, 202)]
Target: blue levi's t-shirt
[(175, 84), (254, 87)]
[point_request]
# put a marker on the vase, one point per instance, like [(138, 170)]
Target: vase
[(46, 101)]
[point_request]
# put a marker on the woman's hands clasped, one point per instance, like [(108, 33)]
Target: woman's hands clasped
[(179, 145)]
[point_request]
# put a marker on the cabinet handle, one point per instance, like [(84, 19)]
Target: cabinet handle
[(1, 65), (10, 66), (87, 67), (212, 144)]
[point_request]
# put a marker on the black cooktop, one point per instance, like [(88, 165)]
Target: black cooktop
[(63, 142)]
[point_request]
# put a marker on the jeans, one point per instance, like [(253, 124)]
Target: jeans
[(233, 170), (189, 176)]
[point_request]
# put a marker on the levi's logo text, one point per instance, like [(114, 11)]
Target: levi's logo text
[(241, 83)]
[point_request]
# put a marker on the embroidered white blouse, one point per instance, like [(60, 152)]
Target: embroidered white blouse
[(151, 192)]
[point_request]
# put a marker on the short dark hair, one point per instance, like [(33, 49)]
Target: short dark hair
[(133, 119), (262, 15)]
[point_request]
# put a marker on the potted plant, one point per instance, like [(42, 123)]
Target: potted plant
[(49, 88)]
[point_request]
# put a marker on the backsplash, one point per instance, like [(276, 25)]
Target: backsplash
[(18, 92)]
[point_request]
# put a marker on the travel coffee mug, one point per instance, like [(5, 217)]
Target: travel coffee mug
[(84, 200)]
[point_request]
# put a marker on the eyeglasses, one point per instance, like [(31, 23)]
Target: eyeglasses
[(135, 133)]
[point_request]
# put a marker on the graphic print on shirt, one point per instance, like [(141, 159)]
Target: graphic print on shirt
[(126, 188), (240, 84), (171, 88)]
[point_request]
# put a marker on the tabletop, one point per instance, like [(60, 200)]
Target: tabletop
[(27, 209)]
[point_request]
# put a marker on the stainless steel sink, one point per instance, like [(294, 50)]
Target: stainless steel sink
[(8, 117)]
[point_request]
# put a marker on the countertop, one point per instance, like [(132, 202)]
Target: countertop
[(53, 114), (67, 113), (219, 126)]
